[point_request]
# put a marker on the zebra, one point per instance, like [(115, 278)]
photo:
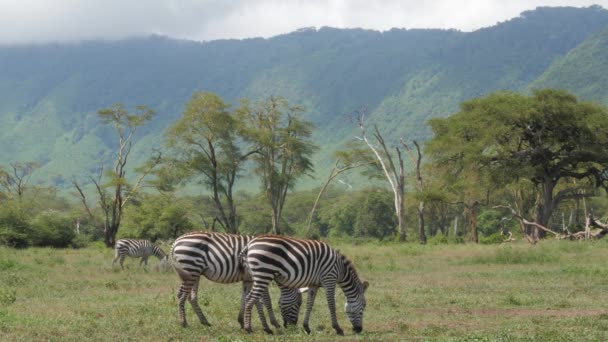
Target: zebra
[(296, 263), (137, 249), (216, 256)]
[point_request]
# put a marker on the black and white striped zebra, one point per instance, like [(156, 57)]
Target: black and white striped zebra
[(137, 249), (216, 256), (297, 263)]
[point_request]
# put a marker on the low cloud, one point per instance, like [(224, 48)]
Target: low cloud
[(26, 21)]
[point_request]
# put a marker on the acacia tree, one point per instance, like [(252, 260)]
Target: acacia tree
[(13, 182), (115, 193), (547, 138), (204, 142), (283, 148)]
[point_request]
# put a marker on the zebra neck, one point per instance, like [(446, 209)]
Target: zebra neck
[(159, 253), (349, 280)]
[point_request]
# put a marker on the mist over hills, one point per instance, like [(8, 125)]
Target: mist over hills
[(49, 94)]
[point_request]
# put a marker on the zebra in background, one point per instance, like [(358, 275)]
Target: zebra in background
[(137, 249), (216, 256), (297, 263)]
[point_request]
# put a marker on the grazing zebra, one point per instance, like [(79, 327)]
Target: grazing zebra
[(217, 257), (137, 249), (296, 263)]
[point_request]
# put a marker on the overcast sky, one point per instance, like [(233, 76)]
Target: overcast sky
[(25, 21)]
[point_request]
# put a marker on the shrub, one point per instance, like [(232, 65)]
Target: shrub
[(80, 241), (52, 229), (440, 239), (491, 239), (14, 229)]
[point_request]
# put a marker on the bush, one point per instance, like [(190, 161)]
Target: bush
[(491, 239), (14, 229), (375, 216), (440, 239), (53, 229), (80, 241)]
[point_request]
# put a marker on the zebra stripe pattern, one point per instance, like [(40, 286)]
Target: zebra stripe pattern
[(297, 263), (137, 249), (216, 256)]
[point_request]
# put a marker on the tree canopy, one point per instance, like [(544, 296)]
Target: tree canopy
[(546, 138)]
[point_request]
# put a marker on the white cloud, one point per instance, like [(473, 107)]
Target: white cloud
[(67, 20)]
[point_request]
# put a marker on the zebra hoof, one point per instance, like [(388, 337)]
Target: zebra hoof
[(339, 331), (248, 330), (269, 331), (184, 324), (307, 329)]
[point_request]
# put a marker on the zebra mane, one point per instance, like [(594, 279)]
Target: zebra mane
[(349, 266)]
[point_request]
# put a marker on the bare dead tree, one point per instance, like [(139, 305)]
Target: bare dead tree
[(525, 223), (509, 237), (395, 175), (417, 160), (13, 182), (335, 171)]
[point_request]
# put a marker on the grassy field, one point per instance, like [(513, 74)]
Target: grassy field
[(555, 291)]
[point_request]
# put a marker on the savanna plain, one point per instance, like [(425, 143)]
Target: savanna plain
[(554, 291)]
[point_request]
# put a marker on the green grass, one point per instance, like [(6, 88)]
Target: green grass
[(555, 291)]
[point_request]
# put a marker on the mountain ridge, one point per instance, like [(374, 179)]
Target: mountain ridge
[(49, 93)]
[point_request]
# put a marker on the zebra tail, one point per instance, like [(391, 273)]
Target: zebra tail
[(177, 267), (243, 260)]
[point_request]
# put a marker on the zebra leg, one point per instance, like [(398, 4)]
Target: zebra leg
[(194, 303), (311, 300), (330, 291), (145, 260), (114, 260), (254, 296), (268, 304), (122, 259), (182, 294), (260, 307), (245, 291)]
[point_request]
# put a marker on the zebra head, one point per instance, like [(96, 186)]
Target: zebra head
[(355, 304), (290, 302)]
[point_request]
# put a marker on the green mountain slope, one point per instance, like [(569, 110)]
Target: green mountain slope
[(49, 93), (584, 70)]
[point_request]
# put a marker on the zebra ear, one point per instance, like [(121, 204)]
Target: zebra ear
[(365, 285)]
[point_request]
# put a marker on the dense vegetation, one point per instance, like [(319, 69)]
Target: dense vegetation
[(542, 156)]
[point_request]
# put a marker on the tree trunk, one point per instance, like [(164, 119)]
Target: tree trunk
[(421, 223), (400, 210), (110, 236), (473, 221), (275, 222), (544, 207)]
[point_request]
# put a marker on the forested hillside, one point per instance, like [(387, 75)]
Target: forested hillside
[(49, 94)]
